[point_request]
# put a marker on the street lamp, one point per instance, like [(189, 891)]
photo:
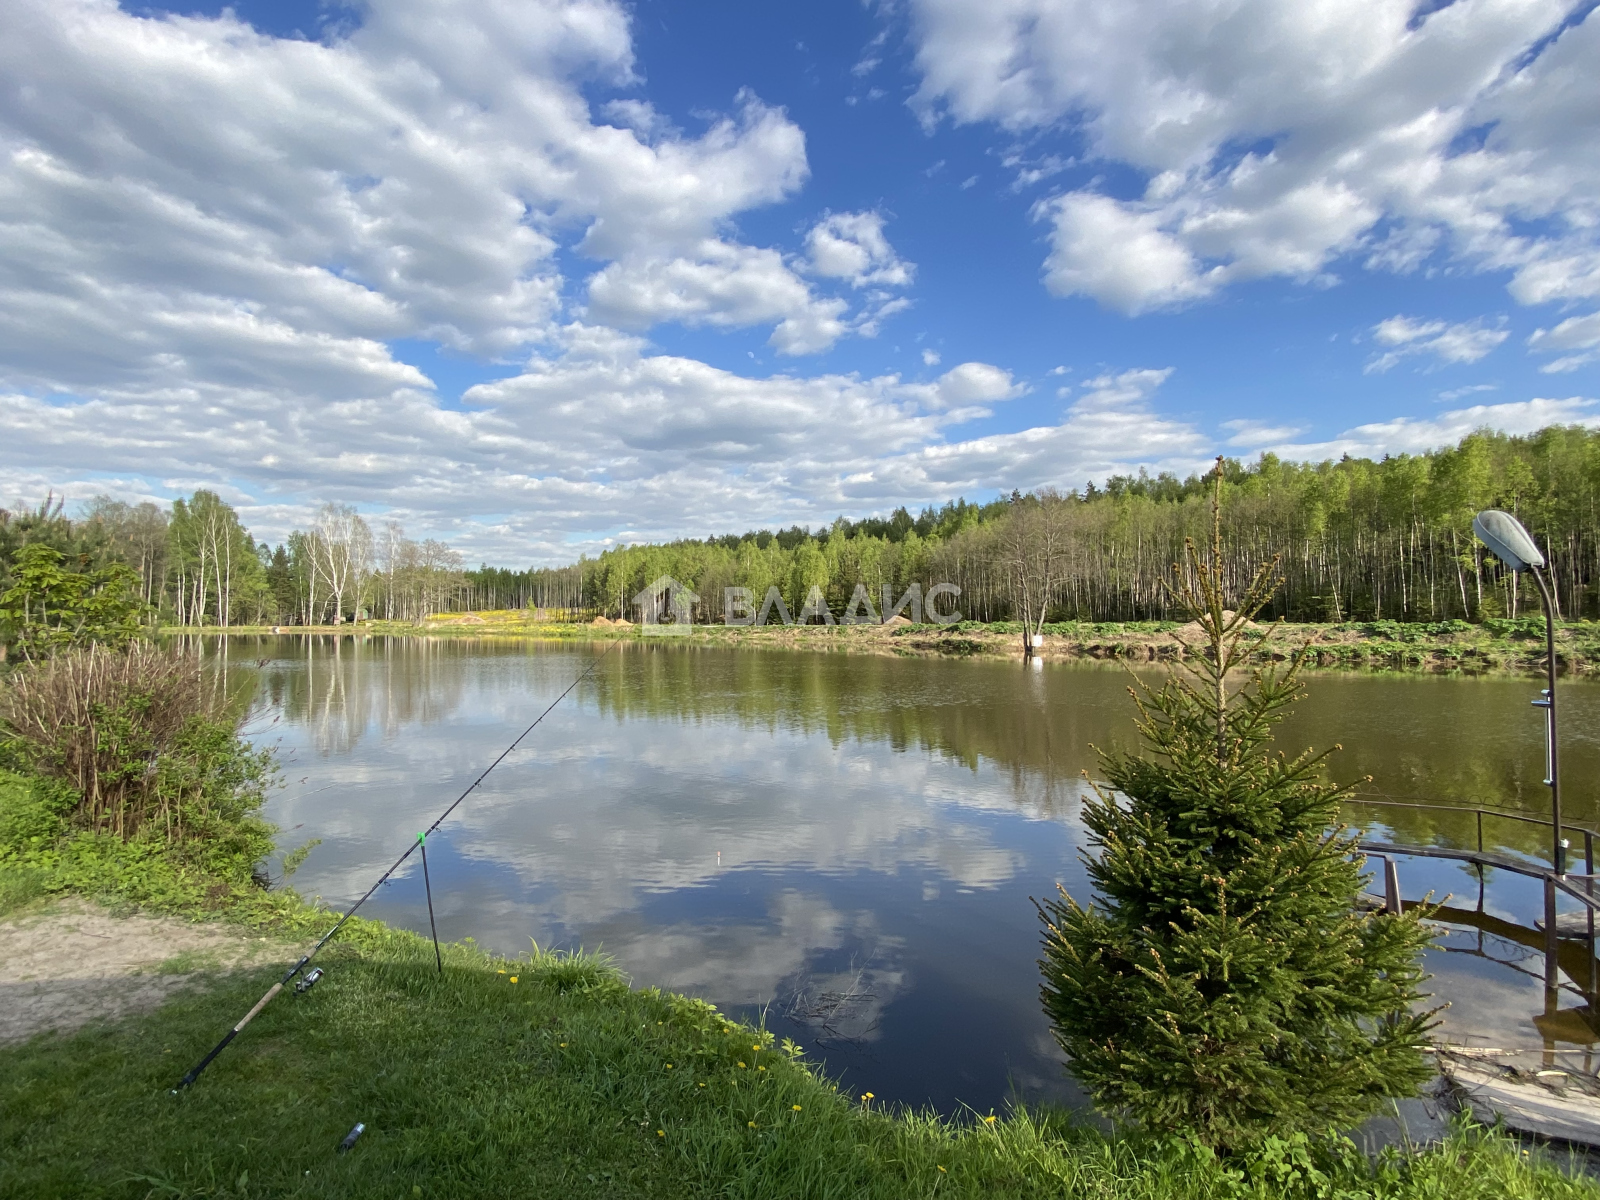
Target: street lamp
[(1511, 544)]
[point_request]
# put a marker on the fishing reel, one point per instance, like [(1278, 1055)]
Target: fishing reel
[(309, 981)]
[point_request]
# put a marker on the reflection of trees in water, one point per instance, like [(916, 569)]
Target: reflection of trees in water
[(340, 688), (1445, 741), (967, 711), (1441, 740)]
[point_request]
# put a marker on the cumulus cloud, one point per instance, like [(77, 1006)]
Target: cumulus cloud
[(1460, 343), (1581, 334), (722, 285), (1274, 138), (852, 246)]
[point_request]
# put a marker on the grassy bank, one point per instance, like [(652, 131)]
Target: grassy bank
[(1444, 646), (567, 1083)]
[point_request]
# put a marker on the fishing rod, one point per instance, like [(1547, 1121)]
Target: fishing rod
[(305, 984)]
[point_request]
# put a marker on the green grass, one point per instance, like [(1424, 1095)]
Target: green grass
[(569, 1083)]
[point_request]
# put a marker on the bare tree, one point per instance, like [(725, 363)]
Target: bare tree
[(342, 553)]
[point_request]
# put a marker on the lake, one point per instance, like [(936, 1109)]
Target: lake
[(844, 846)]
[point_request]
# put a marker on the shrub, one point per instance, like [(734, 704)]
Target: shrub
[(1223, 985), (140, 737)]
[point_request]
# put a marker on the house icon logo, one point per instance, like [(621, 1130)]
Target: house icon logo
[(666, 607)]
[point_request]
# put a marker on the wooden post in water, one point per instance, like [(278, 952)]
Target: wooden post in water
[(1391, 887), (1551, 963)]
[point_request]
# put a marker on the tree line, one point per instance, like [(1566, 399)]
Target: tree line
[(195, 564), (1357, 540)]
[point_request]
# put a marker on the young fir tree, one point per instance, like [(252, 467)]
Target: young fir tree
[(1224, 984)]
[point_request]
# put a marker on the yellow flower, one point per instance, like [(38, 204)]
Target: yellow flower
[(989, 1120), (661, 1133), (499, 972), (741, 1064), (752, 1124), (941, 1168), (866, 1095), (669, 1066), (513, 979), (761, 1068), (796, 1107), (755, 1047), (702, 1085), (563, 1045)]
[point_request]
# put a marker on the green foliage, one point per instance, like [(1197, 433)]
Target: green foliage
[(141, 737), (49, 608), (1223, 984)]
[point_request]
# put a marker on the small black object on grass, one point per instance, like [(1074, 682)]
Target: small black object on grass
[(350, 1138)]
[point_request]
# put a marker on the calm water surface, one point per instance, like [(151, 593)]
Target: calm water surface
[(847, 845)]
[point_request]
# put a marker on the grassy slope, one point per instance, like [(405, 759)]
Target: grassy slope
[(565, 1083)]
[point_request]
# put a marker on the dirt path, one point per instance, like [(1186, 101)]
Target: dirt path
[(73, 963)]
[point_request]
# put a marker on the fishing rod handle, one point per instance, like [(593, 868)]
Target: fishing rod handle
[(205, 1062)]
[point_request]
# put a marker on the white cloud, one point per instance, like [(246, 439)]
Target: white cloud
[(1469, 390), (1410, 435), (1121, 257), (601, 440), (1249, 434), (1575, 333), (1465, 342), (1275, 137), (852, 246), (163, 178), (930, 358), (722, 285)]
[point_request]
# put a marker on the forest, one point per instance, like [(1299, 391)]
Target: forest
[(1356, 539)]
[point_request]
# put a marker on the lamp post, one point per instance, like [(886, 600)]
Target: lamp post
[(1513, 545)]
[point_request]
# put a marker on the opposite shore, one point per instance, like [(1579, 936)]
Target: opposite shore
[(1438, 647)]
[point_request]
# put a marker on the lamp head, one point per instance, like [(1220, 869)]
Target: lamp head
[(1507, 539)]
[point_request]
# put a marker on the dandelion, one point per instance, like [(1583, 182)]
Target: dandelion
[(752, 1124), (563, 1045), (796, 1107), (989, 1120), (661, 1133), (741, 1064), (702, 1085), (513, 979), (941, 1168), (761, 1068), (669, 1066)]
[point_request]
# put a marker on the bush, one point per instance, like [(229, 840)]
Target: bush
[(140, 737)]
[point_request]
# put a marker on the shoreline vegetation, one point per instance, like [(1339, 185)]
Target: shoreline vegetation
[(1501, 645)]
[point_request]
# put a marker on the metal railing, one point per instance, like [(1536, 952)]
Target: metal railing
[(1580, 887)]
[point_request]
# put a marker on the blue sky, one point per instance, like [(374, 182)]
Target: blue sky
[(539, 277)]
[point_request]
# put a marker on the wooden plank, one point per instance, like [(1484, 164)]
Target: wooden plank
[(1551, 1104)]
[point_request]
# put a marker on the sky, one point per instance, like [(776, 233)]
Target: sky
[(541, 277)]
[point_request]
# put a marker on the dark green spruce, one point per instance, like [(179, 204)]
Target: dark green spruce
[(1223, 984)]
